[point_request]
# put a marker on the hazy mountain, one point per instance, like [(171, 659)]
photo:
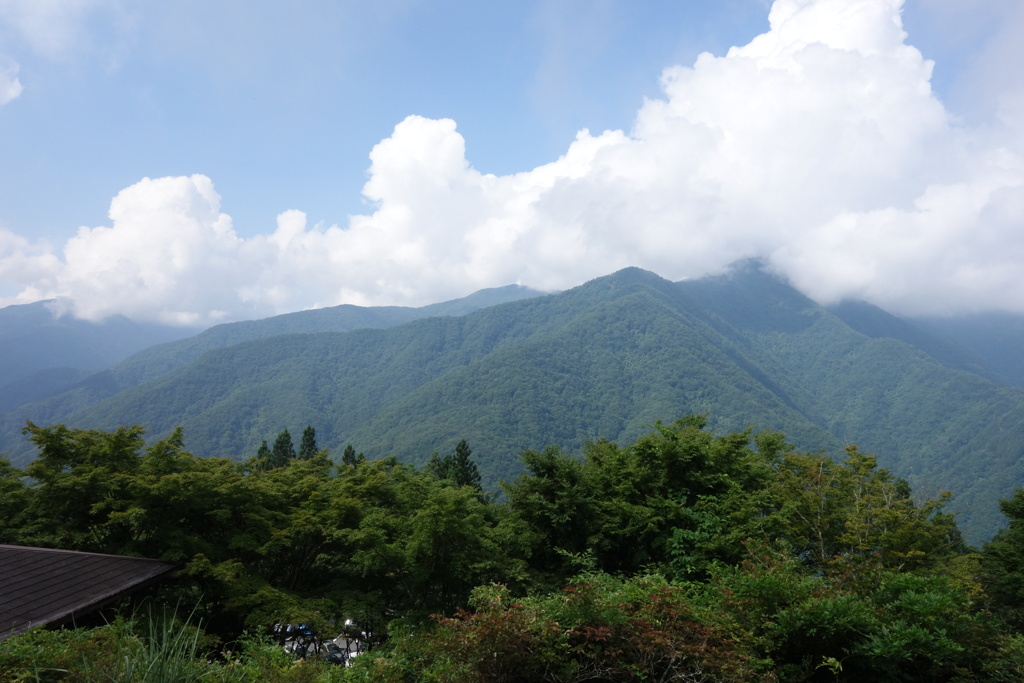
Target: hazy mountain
[(995, 340), (68, 389), (42, 353), (872, 321), (605, 359)]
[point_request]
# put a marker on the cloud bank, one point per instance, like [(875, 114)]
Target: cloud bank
[(819, 146)]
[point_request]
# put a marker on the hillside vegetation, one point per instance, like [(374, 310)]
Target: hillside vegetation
[(606, 359), (43, 352), (686, 555)]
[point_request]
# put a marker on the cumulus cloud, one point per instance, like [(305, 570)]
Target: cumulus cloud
[(10, 86), (818, 146)]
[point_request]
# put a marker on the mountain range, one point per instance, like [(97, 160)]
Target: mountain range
[(43, 352), (939, 401)]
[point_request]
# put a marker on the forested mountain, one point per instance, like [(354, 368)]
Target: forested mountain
[(994, 339), (608, 358), (59, 391), (42, 352)]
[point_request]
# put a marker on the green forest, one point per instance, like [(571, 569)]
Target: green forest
[(687, 555), (605, 359)]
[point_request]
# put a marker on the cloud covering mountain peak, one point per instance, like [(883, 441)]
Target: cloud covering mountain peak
[(819, 146)]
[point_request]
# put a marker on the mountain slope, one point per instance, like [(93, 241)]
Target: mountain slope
[(995, 341), (33, 339), (939, 426), (73, 391), (605, 359)]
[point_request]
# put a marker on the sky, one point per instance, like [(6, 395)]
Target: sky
[(203, 161)]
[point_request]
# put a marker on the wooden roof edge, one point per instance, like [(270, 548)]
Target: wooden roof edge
[(157, 571), (62, 551), (62, 618)]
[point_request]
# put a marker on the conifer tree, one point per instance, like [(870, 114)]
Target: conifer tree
[(263, 454), (457, 467), (284, 450), (349, 457), (260, 461), (307, 448), (462, 469)]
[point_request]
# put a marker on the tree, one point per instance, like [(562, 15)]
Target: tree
[(677, 478), (284, 451), (463, 470), (854, 515), (598, 628), (1004, 562), (15, 498), (261, 460), (79, 479), (350, 458), (457, 467), (556, 501), (307, 448), (679, 494)]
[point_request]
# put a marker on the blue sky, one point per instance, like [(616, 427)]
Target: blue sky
[(281, 106), (276, 108)]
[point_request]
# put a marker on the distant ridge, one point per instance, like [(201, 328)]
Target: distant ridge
[(42, 353), (602, 360), (57, 391)]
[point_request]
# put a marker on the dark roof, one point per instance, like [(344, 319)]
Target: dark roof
[(50, 587)]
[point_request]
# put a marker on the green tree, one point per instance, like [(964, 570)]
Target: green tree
[(854, 516), (676, 477), (15, 499), (597, 628), (457, 467), (80, 478), (557, 503), (1004, 563), (680, 497), (261, 460), (307, 447), (283, 451), (809, 626), (349, 457)]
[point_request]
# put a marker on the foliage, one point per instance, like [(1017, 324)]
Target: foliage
[(851, 516), (666, 501), (14, 499), (905, 627), (349, 457), (597, 628), (1004, 563), (150, 649), (604, 359), (456, 467), (685, 555), (307, 447), (283, 450), (159, 648)]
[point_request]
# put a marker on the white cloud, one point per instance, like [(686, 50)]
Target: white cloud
[(10, 86), (169, 252), (52, 28), (32, 264), (819, 146)]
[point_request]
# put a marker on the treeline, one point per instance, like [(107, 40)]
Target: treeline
[(687, 555)]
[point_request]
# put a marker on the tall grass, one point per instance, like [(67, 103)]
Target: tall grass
[(158, 647), (168, 651), (155, 646)]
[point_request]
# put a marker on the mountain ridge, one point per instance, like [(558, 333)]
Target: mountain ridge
[(604, 360)]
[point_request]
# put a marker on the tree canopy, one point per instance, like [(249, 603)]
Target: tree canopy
[(682, 555)]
